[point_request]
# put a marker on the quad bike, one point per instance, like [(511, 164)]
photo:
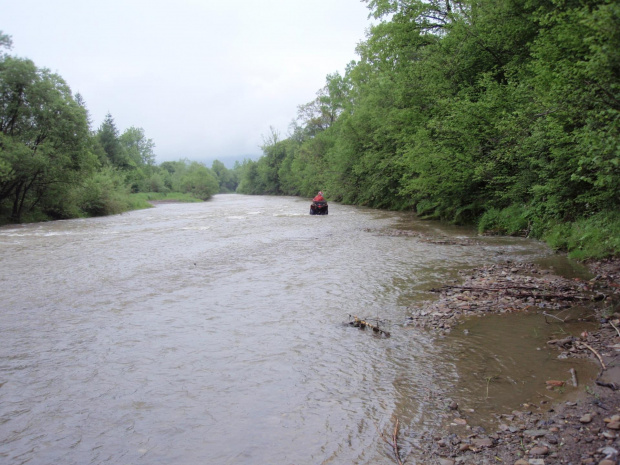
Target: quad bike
[(318, 208)]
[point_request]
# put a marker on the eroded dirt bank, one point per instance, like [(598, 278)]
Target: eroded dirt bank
[(585, 431)]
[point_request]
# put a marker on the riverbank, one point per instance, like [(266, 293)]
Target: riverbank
[(583, 431)]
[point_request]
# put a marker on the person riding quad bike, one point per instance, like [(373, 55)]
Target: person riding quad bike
[(319, 205)]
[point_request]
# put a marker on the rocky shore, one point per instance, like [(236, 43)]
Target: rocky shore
[(585, 431)]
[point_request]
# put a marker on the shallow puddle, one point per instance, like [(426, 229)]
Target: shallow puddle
[(503, 362)]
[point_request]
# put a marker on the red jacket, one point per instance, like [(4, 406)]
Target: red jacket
[(319, 198)]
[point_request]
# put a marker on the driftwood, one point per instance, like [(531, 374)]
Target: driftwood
[(600, 359), (393, 442), (552, 316), (363, 324)]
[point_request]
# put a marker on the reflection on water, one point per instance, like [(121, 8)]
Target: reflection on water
[(213, 333)]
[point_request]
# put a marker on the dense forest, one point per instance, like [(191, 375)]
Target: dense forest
[(500, 113), (53, 165)]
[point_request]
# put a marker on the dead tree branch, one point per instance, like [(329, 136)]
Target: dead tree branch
[(600, 359), (393, 442), (363, 324)]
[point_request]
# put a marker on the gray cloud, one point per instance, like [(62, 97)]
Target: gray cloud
[(204, 79)]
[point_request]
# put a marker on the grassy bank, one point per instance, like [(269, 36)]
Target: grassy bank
[(112, 202), (594, 237)]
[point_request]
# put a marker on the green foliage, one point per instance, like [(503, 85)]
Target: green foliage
[(189, 177), (501, 112), (104, 193), (594, 237), (43, 138), (227, 179), (138, 149), (53, 167), (513, 220), (199, 181), (108, 137)]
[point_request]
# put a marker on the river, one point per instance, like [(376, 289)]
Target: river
[(214, 333)]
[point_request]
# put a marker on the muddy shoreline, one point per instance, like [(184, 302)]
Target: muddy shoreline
[(584, 431)]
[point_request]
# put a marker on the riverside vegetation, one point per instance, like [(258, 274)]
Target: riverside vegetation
[(54, 166), (500, 113), (503, 114)]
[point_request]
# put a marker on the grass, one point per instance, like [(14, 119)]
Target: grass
[(597, 236), (594, 237)]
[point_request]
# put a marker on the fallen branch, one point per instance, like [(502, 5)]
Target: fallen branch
[(553, 316), (614, 326), (363, 324), (545, 296), (600, 359), (394, 442)]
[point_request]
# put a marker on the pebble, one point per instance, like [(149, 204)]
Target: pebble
[(587, 418), (609, 452), (446, 462), (552, 439), (615, 425), (481, 443), (522, 462), (539, 450)]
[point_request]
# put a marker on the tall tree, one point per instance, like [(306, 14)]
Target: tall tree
[(43, 136), (108, 137), (137, 147)]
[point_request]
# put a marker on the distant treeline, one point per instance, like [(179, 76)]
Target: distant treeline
[(503, 113), (54, 166)]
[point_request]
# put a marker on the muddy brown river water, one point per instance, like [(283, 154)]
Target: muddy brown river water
[(213, 333)]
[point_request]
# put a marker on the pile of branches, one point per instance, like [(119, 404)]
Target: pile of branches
[(501, 288)]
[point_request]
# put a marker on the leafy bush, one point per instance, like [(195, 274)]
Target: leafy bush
[(104, 193)]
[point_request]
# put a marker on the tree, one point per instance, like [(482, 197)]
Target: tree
[(137, 147), (226, 178), (5, 41), (199, 181), (108, 136), (43, 136)]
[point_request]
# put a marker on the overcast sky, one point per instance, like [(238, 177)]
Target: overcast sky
[(205, 79)]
